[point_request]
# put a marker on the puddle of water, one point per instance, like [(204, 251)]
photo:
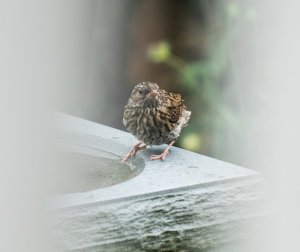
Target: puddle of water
[(80, 169)]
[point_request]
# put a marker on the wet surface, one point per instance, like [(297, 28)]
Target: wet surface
[(82, 169)]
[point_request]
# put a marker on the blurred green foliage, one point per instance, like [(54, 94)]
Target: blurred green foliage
[(216, 127), (159, 52)]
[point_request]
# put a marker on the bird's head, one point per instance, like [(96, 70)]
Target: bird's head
[(144, 94)]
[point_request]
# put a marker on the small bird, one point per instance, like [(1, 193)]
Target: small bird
[(154, 117)]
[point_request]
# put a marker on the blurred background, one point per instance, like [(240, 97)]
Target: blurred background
[(208, 51), (236, 63)]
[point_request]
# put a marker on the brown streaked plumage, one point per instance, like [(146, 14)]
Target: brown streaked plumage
[(154, 117)]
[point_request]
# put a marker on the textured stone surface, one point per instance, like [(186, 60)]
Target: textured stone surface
[(186, 203)]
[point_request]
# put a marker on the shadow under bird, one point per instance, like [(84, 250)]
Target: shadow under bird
[(154, 117)]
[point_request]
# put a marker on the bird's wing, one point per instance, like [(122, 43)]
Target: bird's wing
[(171, 109)]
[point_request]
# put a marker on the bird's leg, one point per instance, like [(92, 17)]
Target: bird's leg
[(163, 155), (134, 149)]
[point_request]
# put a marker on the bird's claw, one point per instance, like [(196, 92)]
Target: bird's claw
[(128, 155), (161, 157), (135, 148), (125, 158)]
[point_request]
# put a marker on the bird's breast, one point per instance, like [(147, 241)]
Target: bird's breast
[(147, 125)]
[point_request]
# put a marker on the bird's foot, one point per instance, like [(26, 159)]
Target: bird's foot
[(134, 149), (161, 157)]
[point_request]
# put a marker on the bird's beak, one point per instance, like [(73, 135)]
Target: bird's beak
[(153, 93)]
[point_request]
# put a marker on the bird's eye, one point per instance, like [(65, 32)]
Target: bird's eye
[(140, 92)]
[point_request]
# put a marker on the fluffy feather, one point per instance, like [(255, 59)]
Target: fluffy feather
[(154, 116)]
